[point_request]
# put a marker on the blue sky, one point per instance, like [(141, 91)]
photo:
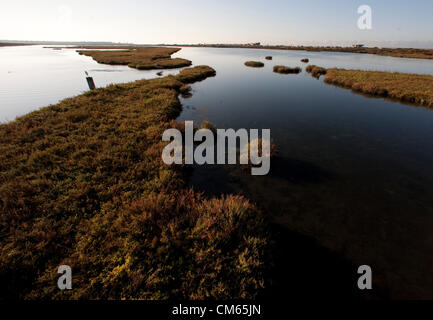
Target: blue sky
[(396, 22)]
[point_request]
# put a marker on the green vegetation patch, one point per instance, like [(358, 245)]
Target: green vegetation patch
[(254, 64), (286, 70), (411, 88), (83, 184)]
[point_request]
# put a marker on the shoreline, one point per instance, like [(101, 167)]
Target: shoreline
[(409, 53), (141, 58), (405, 88)]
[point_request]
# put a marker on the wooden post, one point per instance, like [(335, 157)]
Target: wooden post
[(91, 83)]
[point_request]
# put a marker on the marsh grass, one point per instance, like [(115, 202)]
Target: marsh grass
[(411, 88), (141, 58), (286, 70), (268, 58), (254, 64), (195, 74), (305, 60), (83, 184), (208, 125), (316, 71)]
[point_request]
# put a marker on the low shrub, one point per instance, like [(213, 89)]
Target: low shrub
[(141, 58), (286, 70), (254, 64), (316, 71), (208, 125)]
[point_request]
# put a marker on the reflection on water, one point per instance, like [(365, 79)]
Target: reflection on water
[(32, 77), (353, 172)]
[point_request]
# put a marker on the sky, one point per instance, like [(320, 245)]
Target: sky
[(289, 22)]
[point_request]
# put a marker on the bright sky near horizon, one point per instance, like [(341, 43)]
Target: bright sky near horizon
[(315, 22)]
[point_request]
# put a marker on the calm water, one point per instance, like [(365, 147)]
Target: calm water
[(32, 77), (355, 173)]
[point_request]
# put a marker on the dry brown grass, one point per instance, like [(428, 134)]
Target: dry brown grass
[(315, 71), (254, 64), (286, 70), (142, 58), (208, 125), (83, 184), (197, 73), (411, 88)]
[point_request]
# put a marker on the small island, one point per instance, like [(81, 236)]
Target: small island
[(141, 58), (408, 88), (286, 70), (254, 64)]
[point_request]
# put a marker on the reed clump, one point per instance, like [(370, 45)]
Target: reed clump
[(305, 60), (195, 74), (208, 125), (316, 71), (254, 64), (286, 70), (268, 58), (261, 147), (410, 88), (83, 184)]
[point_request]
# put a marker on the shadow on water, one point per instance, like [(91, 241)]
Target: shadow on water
[(352, 184), (302, 269), (216, 180), (297, 171), (298, 267)]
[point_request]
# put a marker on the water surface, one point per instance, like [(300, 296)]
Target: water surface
[(354, 173), (33, 76)]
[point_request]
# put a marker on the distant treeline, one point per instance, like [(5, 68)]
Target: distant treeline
[(392, 52), (4, 44)]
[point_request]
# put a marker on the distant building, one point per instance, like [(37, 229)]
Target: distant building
[(254, 44), (357, 45)]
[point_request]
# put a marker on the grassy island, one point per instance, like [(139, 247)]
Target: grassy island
[(305, 60), (83, 184), (286, 70), (142, 58), (410, 88), (315, 71), (268, 58), (254, 64)]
